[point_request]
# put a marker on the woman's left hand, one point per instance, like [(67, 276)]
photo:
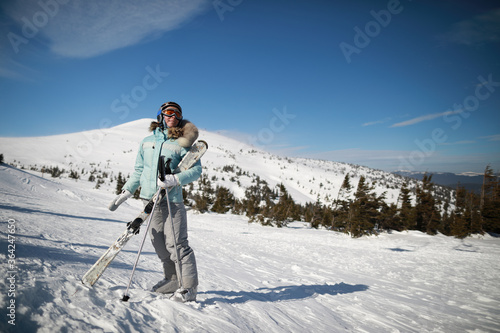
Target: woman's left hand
[(169, 182)]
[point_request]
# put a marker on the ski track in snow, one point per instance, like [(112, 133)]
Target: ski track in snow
[(252, 278)]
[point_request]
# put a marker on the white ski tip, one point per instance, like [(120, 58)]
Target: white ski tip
[(112, 207), (204, 142)]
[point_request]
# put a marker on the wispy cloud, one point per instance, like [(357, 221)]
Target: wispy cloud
[(10, 73), (462, 142), (495, 137), (480, 29), (372, 123), (425, 118), (87, 28), (11, 69), (377, 122)]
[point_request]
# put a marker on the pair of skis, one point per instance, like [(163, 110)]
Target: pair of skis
[(94, 273)]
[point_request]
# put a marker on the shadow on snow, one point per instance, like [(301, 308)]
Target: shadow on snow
[(282, 293), (65, 255), (36, 211)]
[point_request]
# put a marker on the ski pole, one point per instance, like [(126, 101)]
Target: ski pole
[(159, 195), (158, 198), (165, 170)]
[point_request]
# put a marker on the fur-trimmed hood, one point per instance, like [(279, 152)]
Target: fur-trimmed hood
[(186, 132)]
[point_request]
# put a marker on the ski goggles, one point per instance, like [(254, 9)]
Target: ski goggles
[(172, 113)]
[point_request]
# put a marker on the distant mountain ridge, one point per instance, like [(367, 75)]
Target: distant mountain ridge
[(471, 182)]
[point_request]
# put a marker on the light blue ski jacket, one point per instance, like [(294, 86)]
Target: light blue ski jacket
[(146, 166)]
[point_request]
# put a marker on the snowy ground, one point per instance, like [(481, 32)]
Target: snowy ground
[(252, 278)]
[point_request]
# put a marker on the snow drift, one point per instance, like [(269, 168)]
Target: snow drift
[(252, 278)]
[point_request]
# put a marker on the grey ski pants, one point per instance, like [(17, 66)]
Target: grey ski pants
[(160, 232)]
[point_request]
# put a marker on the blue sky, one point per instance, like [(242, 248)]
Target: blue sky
[(391, 85)]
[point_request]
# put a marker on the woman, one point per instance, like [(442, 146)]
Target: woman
[(172, 137)]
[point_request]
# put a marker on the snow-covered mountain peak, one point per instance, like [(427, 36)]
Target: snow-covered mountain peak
[(113, 150)]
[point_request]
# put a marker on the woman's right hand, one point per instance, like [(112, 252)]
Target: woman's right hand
[(119, 200)]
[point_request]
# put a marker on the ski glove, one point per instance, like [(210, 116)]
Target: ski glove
[(119, 200), (169, 182)]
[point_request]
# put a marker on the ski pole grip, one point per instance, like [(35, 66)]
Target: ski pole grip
[(161, 168), (168, 171)]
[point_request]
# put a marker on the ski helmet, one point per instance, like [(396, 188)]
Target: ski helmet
[(163, 108)]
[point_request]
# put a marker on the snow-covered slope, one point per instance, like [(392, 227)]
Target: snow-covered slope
[(113, 150), (252, 278)]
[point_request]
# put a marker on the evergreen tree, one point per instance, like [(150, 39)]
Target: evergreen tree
[(284, 208), (458, 227), (279, 215), (1, 158), (317, 215), (56, 172), (308, 212), (406, 212), (467, 216), (120, 181), (201, 202), (445, 226), (224, 200), (259, 200), (364, 210), (341, 216), (251, 202), (427, 215), (327, 216), (74, 174), (238, 207), (203, 198), (388, 218), (346, 187), (476, 223), (490, 201), (341, 206), (99, 182)]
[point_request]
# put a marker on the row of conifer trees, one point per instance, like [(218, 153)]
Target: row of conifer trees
[(357, 211), (360, 211)]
